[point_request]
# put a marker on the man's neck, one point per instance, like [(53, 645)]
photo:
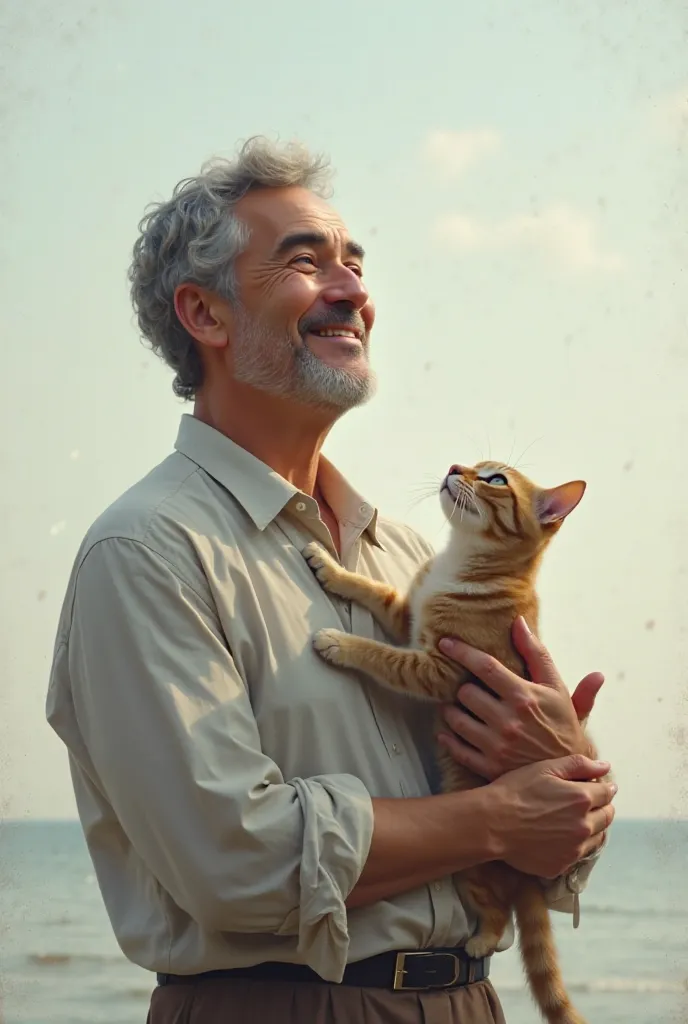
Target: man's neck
[(286, 437)]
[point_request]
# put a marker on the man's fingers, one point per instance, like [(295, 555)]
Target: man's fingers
[(590, 847), (578, 768), (602, 819), (489, 709), (541, 668), (495, 675), (466, 727), (465, 755), (600, 822), (602, 793), (583, 697)]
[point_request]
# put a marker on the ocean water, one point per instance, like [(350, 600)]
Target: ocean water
[(627, 964)]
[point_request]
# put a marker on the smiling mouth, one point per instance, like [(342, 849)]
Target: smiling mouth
[(336, 332)]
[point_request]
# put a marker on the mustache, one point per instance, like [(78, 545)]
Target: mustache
[(349, 319)]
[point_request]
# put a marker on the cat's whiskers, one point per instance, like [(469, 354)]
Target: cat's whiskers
[(517, 463), (470, 497), (430, 478), (476, 506), (421, 492), (425, 489), (419, 499), (430, 484), (463, 497)]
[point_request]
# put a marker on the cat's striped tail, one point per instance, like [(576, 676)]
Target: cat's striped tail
[(540, 957)]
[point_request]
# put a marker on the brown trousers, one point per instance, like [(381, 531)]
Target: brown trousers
[(224, 1001)]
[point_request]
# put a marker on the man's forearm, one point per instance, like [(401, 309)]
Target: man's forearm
[(418, 840), (540, 819)]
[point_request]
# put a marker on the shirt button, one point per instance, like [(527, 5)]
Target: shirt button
[(364, 508), (395, 748), (300, 506), (437, 887), (573, 882)]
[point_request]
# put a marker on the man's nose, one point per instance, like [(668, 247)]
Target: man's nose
[(346, 286)]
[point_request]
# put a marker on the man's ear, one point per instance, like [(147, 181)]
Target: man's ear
[(207, 318)]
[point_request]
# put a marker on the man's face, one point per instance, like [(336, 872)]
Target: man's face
[(303, 317)]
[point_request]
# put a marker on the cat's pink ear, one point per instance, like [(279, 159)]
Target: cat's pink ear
[(558, 502)]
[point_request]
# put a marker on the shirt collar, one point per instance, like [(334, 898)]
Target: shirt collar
[(262, 492)]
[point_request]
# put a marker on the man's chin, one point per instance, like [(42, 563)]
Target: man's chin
[(339, 388)]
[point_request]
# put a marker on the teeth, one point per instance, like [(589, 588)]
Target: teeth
[(341, 333)]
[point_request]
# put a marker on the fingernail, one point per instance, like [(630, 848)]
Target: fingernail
[(614, 789), (446, 646), (525, 625)]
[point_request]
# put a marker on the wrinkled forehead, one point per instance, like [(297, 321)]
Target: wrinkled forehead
[(274, 215)]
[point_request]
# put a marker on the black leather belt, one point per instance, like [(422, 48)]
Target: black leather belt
[(405, 971)]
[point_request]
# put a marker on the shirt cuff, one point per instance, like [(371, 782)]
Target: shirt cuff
[(562, 892), (337, 832)]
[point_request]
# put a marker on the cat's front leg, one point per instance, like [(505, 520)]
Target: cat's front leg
[(385, 604), (420, 674)]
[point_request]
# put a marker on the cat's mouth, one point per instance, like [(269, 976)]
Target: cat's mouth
[(461, 499)]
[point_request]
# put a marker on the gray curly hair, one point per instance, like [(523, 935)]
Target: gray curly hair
[(196, 236)]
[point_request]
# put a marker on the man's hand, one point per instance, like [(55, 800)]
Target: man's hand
[(551, 815), (527, 721)]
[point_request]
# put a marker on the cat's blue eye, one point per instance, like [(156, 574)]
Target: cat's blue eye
[(497, 479)]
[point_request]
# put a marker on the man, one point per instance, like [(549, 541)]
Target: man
[(263, 828)]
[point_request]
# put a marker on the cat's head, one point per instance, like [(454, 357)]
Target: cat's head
[(498, 507)]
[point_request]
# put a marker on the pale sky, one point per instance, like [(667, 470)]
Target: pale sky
[(517, 175)]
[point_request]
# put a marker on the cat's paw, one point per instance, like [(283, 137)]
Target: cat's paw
[(321, 563), (329, 645), (480, 946)]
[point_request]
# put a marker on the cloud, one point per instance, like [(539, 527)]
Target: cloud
[(559, 231), (452, 152)]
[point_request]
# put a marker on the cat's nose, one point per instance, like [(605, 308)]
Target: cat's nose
[(455, 471)]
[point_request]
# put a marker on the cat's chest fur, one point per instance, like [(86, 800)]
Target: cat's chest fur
[(442, 577)]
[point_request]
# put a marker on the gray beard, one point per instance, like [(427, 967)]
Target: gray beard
[(259, 361)]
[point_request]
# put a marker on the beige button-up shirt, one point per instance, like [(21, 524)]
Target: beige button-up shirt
[(223, 772)]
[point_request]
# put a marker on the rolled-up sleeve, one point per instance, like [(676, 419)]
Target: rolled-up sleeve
[(171, 737)]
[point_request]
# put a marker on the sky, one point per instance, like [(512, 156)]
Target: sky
[(518, 175)]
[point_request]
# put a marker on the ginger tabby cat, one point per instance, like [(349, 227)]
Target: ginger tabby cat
[(501, 524)]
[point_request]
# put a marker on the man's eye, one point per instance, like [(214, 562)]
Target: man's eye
[(305, 259), (356, 269)]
